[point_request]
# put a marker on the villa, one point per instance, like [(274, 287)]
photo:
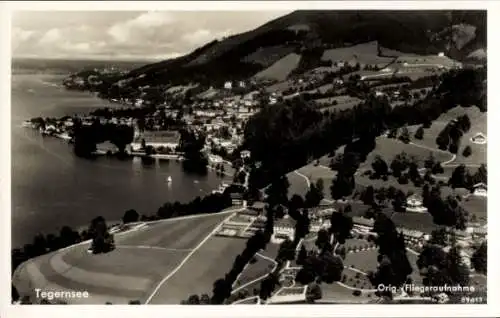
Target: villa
[(479, 138), (414, 203), (480, 190)]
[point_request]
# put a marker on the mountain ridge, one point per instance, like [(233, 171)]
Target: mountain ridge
[(305, 31)]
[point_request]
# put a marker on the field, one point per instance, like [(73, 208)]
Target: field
[(262, 267), (131, 271), (478, 124), (339, 294), (343, 102), (268, 55), (388, 148), (364, 261), (281, 68), (198, 274), (365, 53)]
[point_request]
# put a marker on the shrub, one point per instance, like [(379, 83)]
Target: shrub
[(357, 292)]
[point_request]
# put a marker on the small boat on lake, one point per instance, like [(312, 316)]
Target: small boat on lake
[(169, 179)]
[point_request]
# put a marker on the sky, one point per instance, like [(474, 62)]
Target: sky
[(125, 34)]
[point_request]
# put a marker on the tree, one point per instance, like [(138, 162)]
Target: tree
[(458, 178), (399, 201), (336, 162), (341, 226), (368, 196), (277, 192), (342, 186), (322, 239), (430, 161), (393, 133), (313, 292), (481, 175), (405, 135), (479, 258), (419, 134), (193, 300), (102, 240), (380, 166), (437, 168), (302, 255), (315, 194), (204, 299), (296, 203), (467, 151), (130, 216), (439, 237)]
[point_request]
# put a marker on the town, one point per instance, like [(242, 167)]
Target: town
[(308, 226)]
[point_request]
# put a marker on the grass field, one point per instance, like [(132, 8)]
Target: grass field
[(478, 124), (130, 272), (268, 55), (364, 260), (281, 68), (356, 279), (388, 148), (262, 267), (198, 274), (365, 53), (339, 294)]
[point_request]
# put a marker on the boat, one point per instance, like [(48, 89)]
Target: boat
[(169, 179)]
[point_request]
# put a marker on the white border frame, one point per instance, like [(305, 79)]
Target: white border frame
[(8, 310)]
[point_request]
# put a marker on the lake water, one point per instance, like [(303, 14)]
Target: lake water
[(52, 188)]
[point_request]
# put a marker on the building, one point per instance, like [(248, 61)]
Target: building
[(479, 138), (284, 227), (480, 190), (236, 198), (228, 85), (245, 154), (362, 224), (156, 139), (414, 203)]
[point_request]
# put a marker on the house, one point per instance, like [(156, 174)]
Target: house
[(106, 148), (245, 154), (258, 206), (362, 224), (284, 227), (479, 138), (236, 198), (228, 85), (156, 139), (480, 190), (414, 203)]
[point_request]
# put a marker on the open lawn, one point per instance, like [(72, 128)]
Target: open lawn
[(339, 294), (211, 262), (477, 206), (174, 234), (356, 280), (262, 267), (342, 102), (130, 272), (298, 184), (388, 148), (364, 260), (478, 124), (281, 68)]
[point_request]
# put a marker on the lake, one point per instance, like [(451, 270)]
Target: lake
[(51, 187)]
